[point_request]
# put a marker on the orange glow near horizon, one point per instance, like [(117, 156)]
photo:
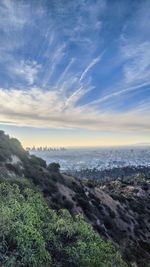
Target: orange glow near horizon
[(72, 137), (79, 142)]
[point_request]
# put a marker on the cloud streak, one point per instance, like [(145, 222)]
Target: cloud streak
[(36, 108), (120, 92), (90, 66)]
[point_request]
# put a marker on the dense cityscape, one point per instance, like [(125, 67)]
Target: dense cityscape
[(99, 158)]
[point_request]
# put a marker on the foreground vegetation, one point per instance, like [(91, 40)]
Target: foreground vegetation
[(32, 234)]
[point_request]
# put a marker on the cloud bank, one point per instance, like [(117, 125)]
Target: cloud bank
[(35, 108)]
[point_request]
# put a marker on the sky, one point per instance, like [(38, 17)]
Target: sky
[(75, 73)]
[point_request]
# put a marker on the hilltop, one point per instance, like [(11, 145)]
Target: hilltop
[(118, 210)]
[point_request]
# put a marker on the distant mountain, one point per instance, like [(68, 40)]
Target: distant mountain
[(119, 210)]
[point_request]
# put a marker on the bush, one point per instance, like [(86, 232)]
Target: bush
[(33, 235), (53, 167), (68, 204), (22, 183), (34, 160)]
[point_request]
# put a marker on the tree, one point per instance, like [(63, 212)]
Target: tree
[(53, 167)]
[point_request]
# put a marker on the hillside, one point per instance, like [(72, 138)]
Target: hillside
[(118, 210)]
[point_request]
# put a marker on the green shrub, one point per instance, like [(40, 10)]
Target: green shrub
[(34, 160), (53, 167), (33, 235)]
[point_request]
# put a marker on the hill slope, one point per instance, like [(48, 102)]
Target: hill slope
[(118, 210)]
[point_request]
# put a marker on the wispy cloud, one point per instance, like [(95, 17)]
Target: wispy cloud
[(89, 67), (53, 62), (27, 70), (36, 108), (72, 65), (137, 66), (119, 92)]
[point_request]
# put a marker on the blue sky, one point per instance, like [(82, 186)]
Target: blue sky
[(75, 72)]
